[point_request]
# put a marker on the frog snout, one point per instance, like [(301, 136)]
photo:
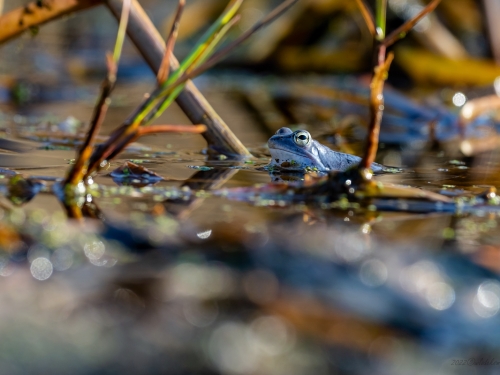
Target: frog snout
[(271, 143)]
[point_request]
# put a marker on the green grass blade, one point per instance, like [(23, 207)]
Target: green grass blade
[(213, 44), (170, 97), (120, 37), (206, 39), (380, 18)]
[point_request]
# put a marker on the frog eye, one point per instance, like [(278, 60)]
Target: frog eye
[(302, 138)]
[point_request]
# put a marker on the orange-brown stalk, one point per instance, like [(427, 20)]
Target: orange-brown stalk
[(36, 13), (380, 72), (170, 43), (79, 169)]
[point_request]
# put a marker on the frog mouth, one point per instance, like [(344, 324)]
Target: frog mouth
[(303, 155), (282, 155)]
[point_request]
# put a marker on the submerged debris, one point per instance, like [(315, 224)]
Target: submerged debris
[(132, 174), (22, 189)]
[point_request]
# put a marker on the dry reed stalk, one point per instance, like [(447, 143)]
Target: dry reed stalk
[(147, 130)]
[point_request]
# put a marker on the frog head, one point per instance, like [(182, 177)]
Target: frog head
[(295, 150)]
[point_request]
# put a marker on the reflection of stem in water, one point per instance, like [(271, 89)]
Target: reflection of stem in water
[(79, 209), (202, 180), (92, 211), (73, 211)]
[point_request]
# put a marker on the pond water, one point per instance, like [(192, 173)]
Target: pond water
[(203, 283), (170, 279)]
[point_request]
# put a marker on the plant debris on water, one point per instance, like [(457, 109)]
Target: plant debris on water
[(132, 242)]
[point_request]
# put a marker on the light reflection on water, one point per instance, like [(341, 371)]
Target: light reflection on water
[(41, 268), (94, 250), (373, 272), (487, 300)]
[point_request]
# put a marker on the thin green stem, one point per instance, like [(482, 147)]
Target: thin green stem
[(217, 38), (120, 37), (207, 37), (204, 55), (380, 19)]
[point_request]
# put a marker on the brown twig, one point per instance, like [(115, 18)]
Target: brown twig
[(380, 73), (121, 136), (111, 149), (37, 13), (367, 16), (376, 110), (402, 30), (152, 129), (79, 169), (170, 43), (149, 42)]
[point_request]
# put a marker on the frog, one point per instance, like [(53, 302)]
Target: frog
[(298, 151)]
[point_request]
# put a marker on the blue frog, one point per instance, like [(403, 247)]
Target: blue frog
[(296, 150)]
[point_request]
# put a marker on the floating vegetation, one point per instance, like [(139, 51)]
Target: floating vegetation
[(200, 167)]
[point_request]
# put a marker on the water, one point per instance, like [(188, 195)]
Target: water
[(200, 283)]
